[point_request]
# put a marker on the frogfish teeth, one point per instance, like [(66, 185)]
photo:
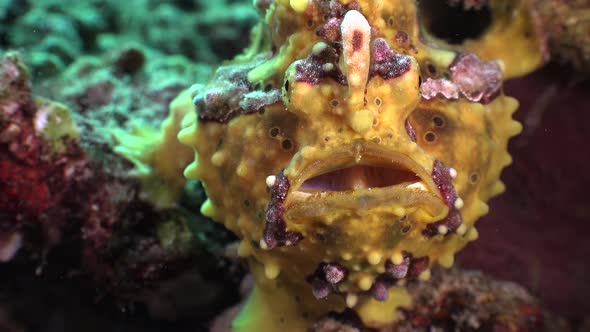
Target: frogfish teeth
[(349, 154)]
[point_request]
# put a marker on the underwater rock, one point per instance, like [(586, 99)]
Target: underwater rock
[(40, 161), (567, 26), (463, 300), (77, 214)]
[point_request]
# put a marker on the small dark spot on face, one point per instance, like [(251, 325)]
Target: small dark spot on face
[(430, 137), (268, 87), (287, 85), (438, 121), (377, 140), (431, 68), (286, 144), (247, 203), (473, 178), (420, 80), (326, 139), (334, 103), (274, 132), (320, 237), (406, 229), (309, 23), (378, 101), (402, 38), (390, 21), (357, 40)]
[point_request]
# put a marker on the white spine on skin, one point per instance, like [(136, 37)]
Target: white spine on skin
[(356, 41), (356, 50)]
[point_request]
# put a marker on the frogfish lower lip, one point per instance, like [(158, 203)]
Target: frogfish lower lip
[(360, 178)]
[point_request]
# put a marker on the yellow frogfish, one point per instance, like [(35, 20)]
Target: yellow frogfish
[(349, 150)]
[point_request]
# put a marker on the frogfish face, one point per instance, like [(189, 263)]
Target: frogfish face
[(352, 154)]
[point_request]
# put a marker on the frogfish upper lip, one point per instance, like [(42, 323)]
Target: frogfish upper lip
[(360, 177)]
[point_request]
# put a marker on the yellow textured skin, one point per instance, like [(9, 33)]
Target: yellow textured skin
[(330, 126), (158, 157)]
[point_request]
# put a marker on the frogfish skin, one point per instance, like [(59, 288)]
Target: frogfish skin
[(350, 151)]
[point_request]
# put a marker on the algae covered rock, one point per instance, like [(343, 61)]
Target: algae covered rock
[(40, 161)]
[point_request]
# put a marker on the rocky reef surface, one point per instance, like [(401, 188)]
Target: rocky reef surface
[(82, 248)]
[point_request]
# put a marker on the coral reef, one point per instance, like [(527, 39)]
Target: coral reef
[(457, 300), (40, 162), (65, 211), (56, 33), (94, 230), (469, 301), (567, 29)]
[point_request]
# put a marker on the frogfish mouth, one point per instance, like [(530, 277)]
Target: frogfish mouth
[(357, 178)]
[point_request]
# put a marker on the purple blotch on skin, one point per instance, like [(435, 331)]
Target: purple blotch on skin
[(379, 289), (443, 180), (330, 30), (256, 100), (334, 272), (432, 87), (410, 130), (325, 278), (410, 267), (402, 38), (333, 12), (398, 271), (477, 80), (275, 231), (311, 69), (221, 100), (320, 288), (386, 62), (417, 266)]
